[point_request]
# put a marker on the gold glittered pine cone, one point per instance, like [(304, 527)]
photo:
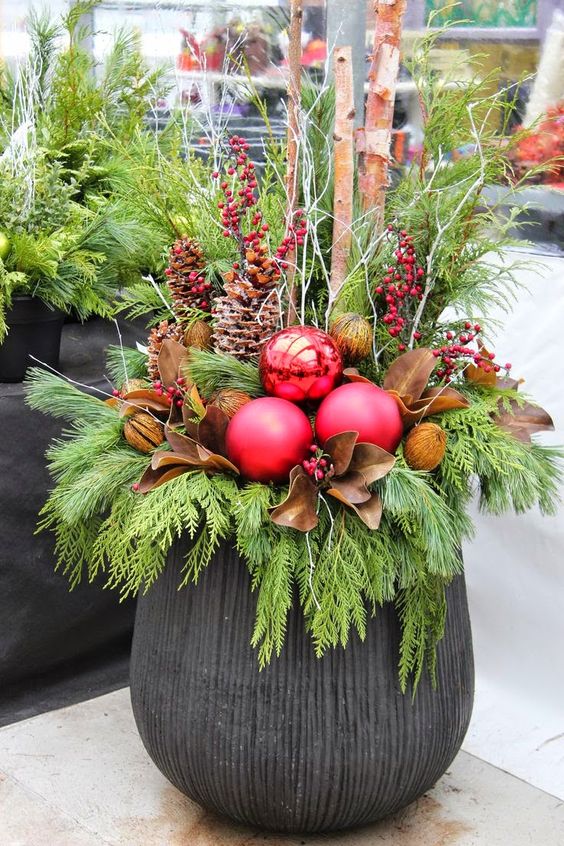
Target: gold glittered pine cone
[(425, 446), (186, 278), (160, 333), (199, 335), (230, 400), (353, 335), (143, 432)]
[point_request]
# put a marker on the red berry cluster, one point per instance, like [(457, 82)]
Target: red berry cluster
[(239, 199), (174, 393), (296, 233), (319, 465), (456, 354), (238, 190), (401, 288)]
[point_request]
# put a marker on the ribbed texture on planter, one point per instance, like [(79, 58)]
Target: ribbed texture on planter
[(307, 744)]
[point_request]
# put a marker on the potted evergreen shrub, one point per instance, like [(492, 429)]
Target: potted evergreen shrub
[(65, 245), (296, 446)]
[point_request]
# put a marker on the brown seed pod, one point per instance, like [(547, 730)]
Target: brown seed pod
[(143, 432), (353, 335), (198, 334), (230, 400), (425, 446)]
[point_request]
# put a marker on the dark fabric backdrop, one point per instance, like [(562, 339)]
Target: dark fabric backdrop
[(56, 646)]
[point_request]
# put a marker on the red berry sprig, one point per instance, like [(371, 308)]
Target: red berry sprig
[(174, 393), (401, 288), (238, 184), (456, 354), (319, 466), (296, 232)]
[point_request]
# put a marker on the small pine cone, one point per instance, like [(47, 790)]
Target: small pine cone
[(186, 280), (159, 334), (249, 312), (230, 400)]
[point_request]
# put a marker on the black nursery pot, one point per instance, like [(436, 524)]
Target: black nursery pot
[(305, 745), (34, 328)]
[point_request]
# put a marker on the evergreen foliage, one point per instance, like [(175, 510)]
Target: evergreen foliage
[(342, 572)]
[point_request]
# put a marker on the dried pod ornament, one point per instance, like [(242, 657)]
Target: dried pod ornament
[(230, 400), (199, 335), (352, 334), (425, 446), (143, 432)]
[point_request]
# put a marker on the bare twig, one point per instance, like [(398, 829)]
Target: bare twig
[(294, 98), (344, 167)]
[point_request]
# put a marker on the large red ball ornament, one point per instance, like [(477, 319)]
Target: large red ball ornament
[(267, 437), (300, 363), (363, 408)]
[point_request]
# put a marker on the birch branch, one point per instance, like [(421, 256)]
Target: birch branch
[(294, 98), (344, 168), (375, 139)]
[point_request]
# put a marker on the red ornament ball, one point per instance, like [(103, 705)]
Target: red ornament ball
[(267, 437), (300, 363), (363, 408)]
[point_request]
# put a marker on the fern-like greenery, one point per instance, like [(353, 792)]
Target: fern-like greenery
[(342, 571)]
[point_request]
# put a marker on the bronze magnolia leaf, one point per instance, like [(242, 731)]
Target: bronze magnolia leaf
[(370, 512), (172, 356), (353, 375), (437, 400), (152, 478), (523, 420), (506, 383), (478, 376), (341, 448), (298, 511), (410, 372), (372, 461), (146, 400), (352, 487), (212, 428), (198, 406), (433, 401)]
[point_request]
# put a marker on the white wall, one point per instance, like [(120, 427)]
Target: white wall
[(515, 568)]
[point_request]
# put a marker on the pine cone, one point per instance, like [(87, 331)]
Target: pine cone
[(159, 334), (249, 313), (186, 279)]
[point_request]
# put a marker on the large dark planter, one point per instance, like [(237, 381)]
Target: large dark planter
[(34, 328), (307, 744)]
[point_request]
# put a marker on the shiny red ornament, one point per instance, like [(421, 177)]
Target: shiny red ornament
[(267, 437), (300, 363), (363, 408)]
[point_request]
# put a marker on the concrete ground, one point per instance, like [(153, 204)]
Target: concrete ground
[(80, 777)]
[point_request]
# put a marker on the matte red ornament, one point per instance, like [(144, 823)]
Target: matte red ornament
[(300, 363), (363, 408), (267, 437)]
